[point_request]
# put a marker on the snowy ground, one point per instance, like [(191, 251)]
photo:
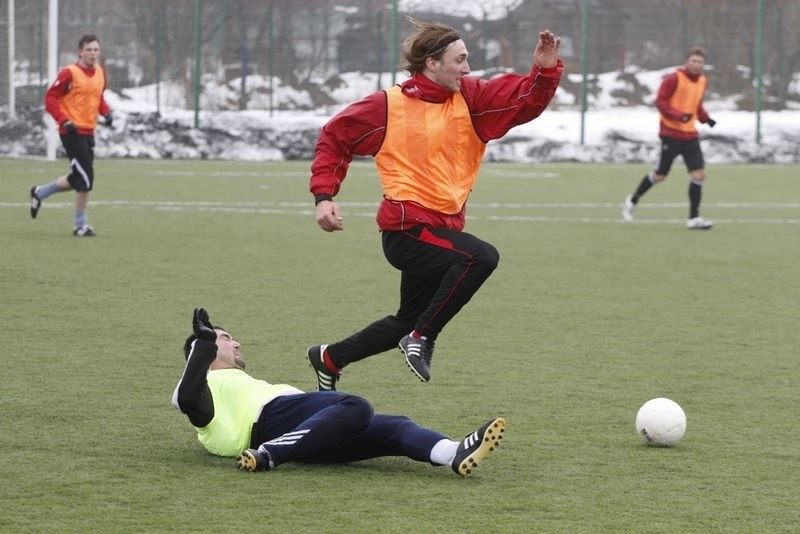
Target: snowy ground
[(613, 131)]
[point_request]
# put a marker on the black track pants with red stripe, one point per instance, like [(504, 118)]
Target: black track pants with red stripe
[(441, 270)]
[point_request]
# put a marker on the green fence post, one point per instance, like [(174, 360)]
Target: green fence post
[(759, 66), (197, 45), (380, 49), (270, 56), (584, 64), (395, 57), (158, 62)]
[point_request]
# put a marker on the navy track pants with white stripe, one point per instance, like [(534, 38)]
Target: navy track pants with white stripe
[(334, 427)]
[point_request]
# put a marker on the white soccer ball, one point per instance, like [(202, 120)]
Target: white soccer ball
[(661, 422)]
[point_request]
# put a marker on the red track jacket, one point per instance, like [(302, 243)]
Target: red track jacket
[(495, 106)]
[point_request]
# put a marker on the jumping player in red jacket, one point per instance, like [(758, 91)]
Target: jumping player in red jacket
[(428, 137)]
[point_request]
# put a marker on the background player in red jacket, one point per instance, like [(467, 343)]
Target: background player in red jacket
[(428, 137), (680, 102), (74, 100)]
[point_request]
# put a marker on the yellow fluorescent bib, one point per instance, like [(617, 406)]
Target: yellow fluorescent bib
[(238, 400)]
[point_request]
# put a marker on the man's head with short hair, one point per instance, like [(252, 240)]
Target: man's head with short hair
[(88, 38), (228, 354), (695, 60), (88, 51), (696, 51)]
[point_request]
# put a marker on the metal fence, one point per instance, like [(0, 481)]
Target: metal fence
[(308, 44)]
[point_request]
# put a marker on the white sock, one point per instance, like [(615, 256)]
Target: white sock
[(444, 452)]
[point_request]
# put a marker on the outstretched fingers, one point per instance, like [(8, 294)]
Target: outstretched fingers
[(546, 54)]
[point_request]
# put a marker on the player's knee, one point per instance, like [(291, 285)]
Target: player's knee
[(359, 410), (79, 184), (487, 258), (404, 424), (699, 175)]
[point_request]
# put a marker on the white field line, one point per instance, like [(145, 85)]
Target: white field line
[(182, 173), (476, 211), (264, 174)]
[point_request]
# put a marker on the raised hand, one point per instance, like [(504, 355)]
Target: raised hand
[(201, 325), (546, 53)]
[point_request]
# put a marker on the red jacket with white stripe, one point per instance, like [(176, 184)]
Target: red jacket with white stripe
[(495, 107)]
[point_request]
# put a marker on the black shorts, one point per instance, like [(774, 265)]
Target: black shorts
[(672, 148), (80, 151)]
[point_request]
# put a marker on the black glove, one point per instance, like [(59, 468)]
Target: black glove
[(201, 325), (711, 122), (686, 117), (70, 127), (109, 119)]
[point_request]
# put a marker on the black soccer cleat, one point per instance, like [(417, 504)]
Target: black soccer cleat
[(36, 203), (418, 353), (84, 231), (326, 381), (475, 447), (253, 460)]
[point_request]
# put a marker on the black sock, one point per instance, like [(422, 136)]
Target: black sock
[(695, 193), (644, 186)]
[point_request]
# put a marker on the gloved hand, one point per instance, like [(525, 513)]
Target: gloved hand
[(686, 117), (201, 325), (70, 127), (711, 122), (109, 119)]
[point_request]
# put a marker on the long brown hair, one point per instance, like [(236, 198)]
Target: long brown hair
[(430, 40)]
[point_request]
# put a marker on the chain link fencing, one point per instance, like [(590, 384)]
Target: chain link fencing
[(302, 54)]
